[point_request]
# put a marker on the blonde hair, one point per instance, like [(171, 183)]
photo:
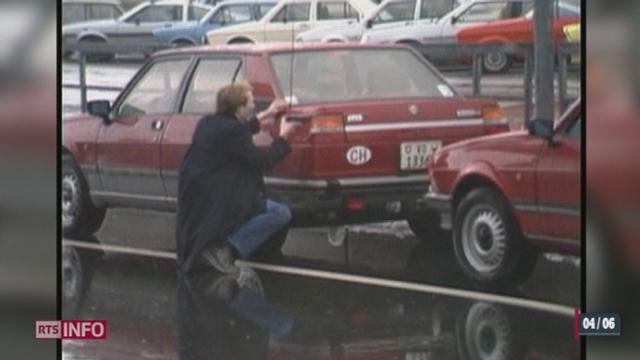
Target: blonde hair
[(232, 96)]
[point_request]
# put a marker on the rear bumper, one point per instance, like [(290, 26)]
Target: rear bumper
[(325, 201), (441, 203)]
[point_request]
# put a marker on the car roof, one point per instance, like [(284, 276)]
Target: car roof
[(257, 49)]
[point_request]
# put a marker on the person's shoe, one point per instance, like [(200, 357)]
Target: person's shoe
[(223, 287), (249, 280), (221, 258)]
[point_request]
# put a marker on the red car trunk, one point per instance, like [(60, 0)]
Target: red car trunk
[(383, 127)]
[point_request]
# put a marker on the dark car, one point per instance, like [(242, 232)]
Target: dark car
[(510, 195), (360, 155)]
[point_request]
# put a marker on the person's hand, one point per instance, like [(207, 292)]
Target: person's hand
[(287, 128), (277, 106)]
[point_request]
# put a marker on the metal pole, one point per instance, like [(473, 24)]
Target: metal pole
[(528, 75), (477, 72), (562, 79), (543, 52), (83, 81)]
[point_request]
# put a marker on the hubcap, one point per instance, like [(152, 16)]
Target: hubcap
[(488, 332), (484, 239), (70, 198), (70, 274), (495, 61)]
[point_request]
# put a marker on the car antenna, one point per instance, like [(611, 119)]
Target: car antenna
[(293, 53), (235, 73)]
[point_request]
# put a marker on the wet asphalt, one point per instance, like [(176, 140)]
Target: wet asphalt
[(154, 313)]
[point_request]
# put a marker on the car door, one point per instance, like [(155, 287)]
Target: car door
[(290, 20), (558, 174), (209, 75), (334, 12), (128, 154)]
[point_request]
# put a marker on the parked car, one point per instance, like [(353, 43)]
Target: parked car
[(290, 17), (613, 174), (443, 31), (360, 155), (389, 14), (74, 11), (226, 13), (507, 196), (135, 26), (516, 30)]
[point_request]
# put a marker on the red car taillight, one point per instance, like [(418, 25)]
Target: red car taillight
[(494, 115), (324, 124)]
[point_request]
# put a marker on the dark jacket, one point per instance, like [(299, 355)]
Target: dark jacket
[(220, 183)]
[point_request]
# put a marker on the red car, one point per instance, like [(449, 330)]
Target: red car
[(613, 199), (511, 195), (517, 30), (360, 155)]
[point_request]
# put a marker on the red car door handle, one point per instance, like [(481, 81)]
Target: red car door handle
[(157, 125)]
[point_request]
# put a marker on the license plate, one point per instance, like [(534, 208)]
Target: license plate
[(415, 155)]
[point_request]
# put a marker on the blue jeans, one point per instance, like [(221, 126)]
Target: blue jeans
[(260, 227)]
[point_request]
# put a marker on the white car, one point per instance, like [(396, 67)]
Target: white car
[(389, 14), (444, 29), (136, 26), (290, 17)]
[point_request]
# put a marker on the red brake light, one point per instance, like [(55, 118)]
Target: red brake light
[(323, 124)]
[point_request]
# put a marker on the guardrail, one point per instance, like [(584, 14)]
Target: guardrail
[(475, 51)]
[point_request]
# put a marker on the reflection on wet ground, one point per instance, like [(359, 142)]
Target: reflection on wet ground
[(153, 313)]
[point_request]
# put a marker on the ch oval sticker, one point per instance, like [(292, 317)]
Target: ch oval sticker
[(358, 155)]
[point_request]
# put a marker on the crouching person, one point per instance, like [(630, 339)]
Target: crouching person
[(222, 210)]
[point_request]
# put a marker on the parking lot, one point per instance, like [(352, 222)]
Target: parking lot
[(430, 214)]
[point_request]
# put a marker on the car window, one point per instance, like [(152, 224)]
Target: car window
[(575, 129), (209, 77), (72, 13), (157, 90), (348, 75), (263, 9), (563, 9), (431, 9), (396, 11), (103, 11), (331, 10), (196, 12), (482, 12), (232, 14), (293, 12), (158, 13), (211, 2)]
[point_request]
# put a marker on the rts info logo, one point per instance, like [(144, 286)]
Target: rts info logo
[(72, 329)]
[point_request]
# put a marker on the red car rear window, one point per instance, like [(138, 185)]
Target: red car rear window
[(356, 74)]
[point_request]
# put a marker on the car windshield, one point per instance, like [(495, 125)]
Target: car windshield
[(350, 75), (205, 19)]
